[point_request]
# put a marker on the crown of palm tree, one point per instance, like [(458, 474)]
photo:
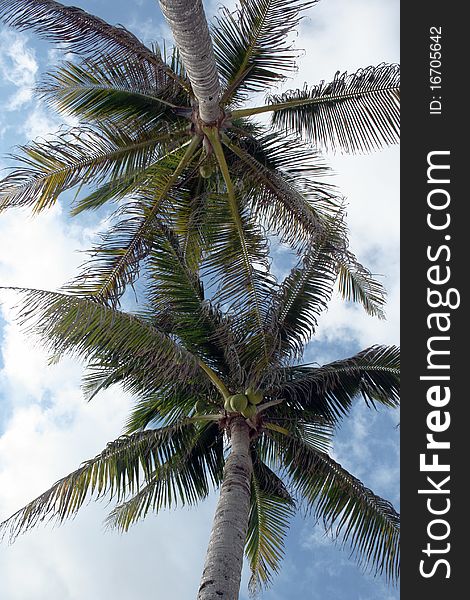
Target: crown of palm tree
[(142, 143), (183, 357)]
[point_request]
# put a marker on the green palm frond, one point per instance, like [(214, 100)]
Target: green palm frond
[(251, 46), (271, 508), (177, 291), (123, 90), (115, 472), (77, 157), (159, 401), (185, 477), (356, 284), (287, 197), (239, 266), (116, 262), (169, 404), (114, 190), (354, 113), (78, 31), (305, 292), (239, 261), (192, 218), (82, 328), (369, 524), (329, 390), (285, 419)]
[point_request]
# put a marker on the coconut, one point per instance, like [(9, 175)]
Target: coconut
[(206, 170), (200, 406), (238, 402), (250, 411), (254, 397)]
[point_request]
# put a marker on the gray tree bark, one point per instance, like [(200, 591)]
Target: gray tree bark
[(187, 21), (224, 560)]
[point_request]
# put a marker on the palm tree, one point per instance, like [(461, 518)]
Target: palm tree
[(166, 135), (209, 377)]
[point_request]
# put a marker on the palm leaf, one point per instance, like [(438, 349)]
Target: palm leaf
[(305, 292), (330, 390), (356, 284), (116, 262), (115, 472), (78, 31), (251, 46), (284, 419), (169, 404), (354, 113), (286, 198), (240, 263), (78, 156), (185, 477), (271, 508), (124, 90), (89, 331), (368, 523), (177, 291)]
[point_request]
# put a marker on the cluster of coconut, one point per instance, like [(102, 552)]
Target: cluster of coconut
[(244, 403)]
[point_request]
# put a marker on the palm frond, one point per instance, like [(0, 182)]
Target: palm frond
[(116, 262), (192, 219), (354, 113), (367, 523), (123, 90), (280, 181), (185, 477), (305, 292), (239, 269), (239, 261), (169, 404), (76, 157), (177, 291), (251, 45), (116, 472), (329, 390), (89, 331), (271, 508), (285, 419), (78, 31), (114, 190), (356, 284)]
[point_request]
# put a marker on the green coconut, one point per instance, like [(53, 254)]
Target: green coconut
[(250, 411), (254, 397), (200, 407), (238, 402), (206, 170)]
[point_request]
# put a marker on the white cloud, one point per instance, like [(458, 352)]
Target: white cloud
[(18, 67), (39, 123), (40, 251)]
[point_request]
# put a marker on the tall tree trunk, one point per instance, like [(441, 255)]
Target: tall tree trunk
[(224, 560), (187, 21)]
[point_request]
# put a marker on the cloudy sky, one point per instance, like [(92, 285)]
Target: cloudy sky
[(46, 428)]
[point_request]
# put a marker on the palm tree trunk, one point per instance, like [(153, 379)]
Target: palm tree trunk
[(187, 21), (224, 560)]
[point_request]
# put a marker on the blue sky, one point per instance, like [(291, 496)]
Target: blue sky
[(46, 428)]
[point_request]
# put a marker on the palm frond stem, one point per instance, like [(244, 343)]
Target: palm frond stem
[(258, 110), (213, 135)]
